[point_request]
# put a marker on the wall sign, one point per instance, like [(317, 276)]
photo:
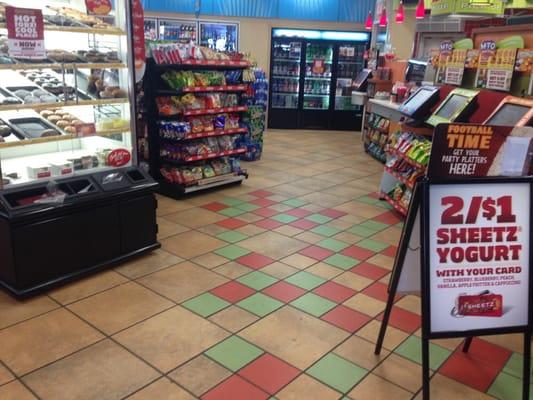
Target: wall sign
[(98, 7), (25, 33)]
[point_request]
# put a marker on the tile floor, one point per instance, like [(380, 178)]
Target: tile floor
[(269, 290)]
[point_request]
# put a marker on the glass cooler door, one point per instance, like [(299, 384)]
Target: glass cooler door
[(317, 82), (286, 74), (350, 63)]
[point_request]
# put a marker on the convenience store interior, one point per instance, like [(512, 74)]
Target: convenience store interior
[(266, 276)]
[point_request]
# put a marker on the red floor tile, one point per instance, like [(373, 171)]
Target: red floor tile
[(261, 193), (215, 206), (265, 212), (334, 292), (268, 224), (318, 253), (255, 260), (284, 291), (269, 373), (374, 195), (235, 388), (332, 213), (233, 291), (388, 218), (303, 224), (262, 202), (378, 291), (231, 223), (298, 212), (358, 252), (370, 271), (346, 318), (403, 319), (390, 251), (478, 367)]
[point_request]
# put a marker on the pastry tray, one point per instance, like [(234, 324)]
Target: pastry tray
[(29, 127)]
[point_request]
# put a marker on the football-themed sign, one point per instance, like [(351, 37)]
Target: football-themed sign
[(25, 33)]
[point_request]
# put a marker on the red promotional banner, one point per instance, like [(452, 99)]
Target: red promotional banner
[(98, 7), (139, 49), (470, 150), (25, 33)]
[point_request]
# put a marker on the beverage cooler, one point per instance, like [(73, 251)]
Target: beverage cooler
[(312, 74)]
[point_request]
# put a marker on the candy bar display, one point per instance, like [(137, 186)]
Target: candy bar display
[(411, 147), (173, 105), (197, 148), (375, 135)]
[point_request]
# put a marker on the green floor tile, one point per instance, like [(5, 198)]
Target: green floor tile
[(411, 349), (259, 304), (325, 230), (342, 262), (373, 245), (374, 225), (383, 204), (205, 304), (332, 244), (247, 207), (399, 225), (313, 304), (232, 252), (361, 231), (257, 280), (232, 236), (305, 280), (337, 372), (318, 218), (295, 202), (231, 202), (284, 218), (507, 387), (234, 353), (514, 365), (231, 212), (367, 200)]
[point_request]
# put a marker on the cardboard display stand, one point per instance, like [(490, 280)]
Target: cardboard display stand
[(465, 246)]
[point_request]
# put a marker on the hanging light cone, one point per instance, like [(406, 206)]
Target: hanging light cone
[(420, 10), (369, 22), (400, 14), (383, 18)]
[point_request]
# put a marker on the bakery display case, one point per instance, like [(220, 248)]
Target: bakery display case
[(67, 157)]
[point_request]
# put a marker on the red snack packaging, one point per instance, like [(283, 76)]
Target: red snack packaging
[(481, 305)]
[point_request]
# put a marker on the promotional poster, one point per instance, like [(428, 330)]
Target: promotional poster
[(478, 256), (25, 33)]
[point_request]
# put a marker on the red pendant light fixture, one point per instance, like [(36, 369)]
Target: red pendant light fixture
[(369, 22), (420, 12), (383, 18), (400, 13)]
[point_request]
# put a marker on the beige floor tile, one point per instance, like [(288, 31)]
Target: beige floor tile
[(288, 230), (288, 189), (442, 388), (513, 342), (314, 208), (273, 244), (401, 372), (15, 391), (280, 207), (365, 304), (390, 236), (346, 191), (324, 199), (87, 287), (210, 260), (309, 337), (353, 219), (450, 344), (162, 389), (382, 261), (182, 281), (166, 205), (171, 338), (195, 217), (353, 281), (100, 372), (233, 318), (5, 375), (44, 339), (309, 237), (166, 228), (306, 388), (360, 209), (13, 311), (120, 307), (154, 261), (200, 375), (250, 230), (410, 303), (376, 388), (232, 270), (279, 270), (212, 229), (298, 261), (393, 337), (324, 270), (348, 237), (337, 223), (360, 352), (191, 244), (250, 217), (277, 197)]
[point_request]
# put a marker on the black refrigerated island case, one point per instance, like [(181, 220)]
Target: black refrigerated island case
[(312, 77)]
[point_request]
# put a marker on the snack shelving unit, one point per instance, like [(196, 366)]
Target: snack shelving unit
[(380, 118), (169, 171)]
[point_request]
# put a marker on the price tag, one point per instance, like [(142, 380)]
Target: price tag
[(25, 33), (479, 255)]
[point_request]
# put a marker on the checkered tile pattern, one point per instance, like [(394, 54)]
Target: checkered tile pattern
[(274, 289)]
